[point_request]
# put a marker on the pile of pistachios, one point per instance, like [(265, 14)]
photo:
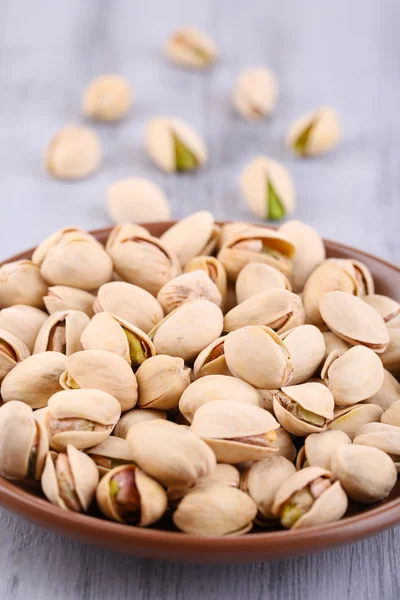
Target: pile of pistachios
[(212, 379)]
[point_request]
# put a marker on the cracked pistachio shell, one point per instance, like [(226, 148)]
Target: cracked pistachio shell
[(214, 269), (109, 332), (74, 152), (170, 453), (23, 442), (187, 287), (315, 133), (255, 93), (280, 310), (225, 425), (231, 230), (162, 380), (330, 506), (101, 370), (262, 481), (130, 302), (391, 416), (319, 447), (83, 418), (306, 347), (34, 380), (136, 415), (284, 444), (113, 452), (215, 510), (191, 47), (216, 387), (188, 329), (107, 98), (388, 393), (21, 283), (367, 474), (354, 376), (257, 277), (388, 308), (125, 232), (257, 245), (144, 261), (12, 352), (192, 236), (268, 189), (24, 322), (223, 474), (173, 145), (257, 355), (313, 399), (391, 356), (62, 332), (70, 479), (127, 495), (333, 343), (383, 436), (136, 199), (310, 251), (349, 419), (211, 360), (354, 321), (62, 297), (359, 272)]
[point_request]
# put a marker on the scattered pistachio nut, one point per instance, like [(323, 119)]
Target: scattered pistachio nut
[(306, 346), (211, 360), (136, 415), (162, 380), (214, 269), (255, 93), (136, 199), (391, 416), (195, 285), (62, 297), (61, 332), (107, 98), (21, 283), (388, 394), (24, 322), (383, 436), (388, 308), (256, 277), (74, 152), (191, 47), (319, 447), (350, 419), (12, 352), (360, 274), (192, 236), (315, 133), (111, 453), (333, 343)]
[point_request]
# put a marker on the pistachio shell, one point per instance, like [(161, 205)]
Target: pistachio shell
[(319, 447), (23, 322), (187, 287), (110, 453), (284, 444), (216, 387), (350, 418), (366, 474), (191, 47), (223, 474), (190, 236), (388, 308), (62, 298), (333, 343), (211, 360), (315, 133), (125, 232), (162, 380), (107, 98), (74, 152), (312, 398), (306, 347), (62, 332), (230, 230), (136, 415), (214, 269), (257, 277), (388, 393), (383, 436), (391, 416), (136, 199), (21, 283), (12, 352), (391, 356), (255, 92), (359, 272)]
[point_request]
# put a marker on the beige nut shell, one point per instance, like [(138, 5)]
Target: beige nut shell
[(255, 93), (137, 200), (74, 152), (107, 98)]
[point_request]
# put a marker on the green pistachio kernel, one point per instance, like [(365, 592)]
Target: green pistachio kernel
[(300, 144), (276, 210), (290, 514), (136, 350), (310, 417), (114, 488), (71, 383), (185, 159)]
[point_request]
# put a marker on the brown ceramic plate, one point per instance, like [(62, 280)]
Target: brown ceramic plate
[(359, 522)]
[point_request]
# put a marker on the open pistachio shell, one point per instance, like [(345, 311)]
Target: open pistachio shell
[(162, 380), (315, 133), (62, 297), (216, 387), (391, 356), (223, 474), (303, 409), (187, 287), (69, 479), (170, 453), (333, 343), (255, 92), (354, 321), (349, 419), (256, 277), (21, 283), (24, 322), (125, 232), (236, 431), (211, 360), (310, 251), (136, 415), (359, 272), (12, 352), (383, 436), (230, 230), (388, 393), (258, 356), (388, 308), (191, 236), (319, 447), (23, 442), (215, 510), (35, 379), (62, 332), (191, 47), (188, 329), (214, 269), (284, 444), (306, 347), (113, 452), (367, 474), (129, 302), (391, 416)]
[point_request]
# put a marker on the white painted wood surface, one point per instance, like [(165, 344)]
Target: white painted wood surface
[(340, 53)]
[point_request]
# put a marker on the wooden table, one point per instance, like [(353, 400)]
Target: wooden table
[(342, 53)]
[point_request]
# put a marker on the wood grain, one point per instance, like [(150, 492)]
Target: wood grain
[(344, 54)]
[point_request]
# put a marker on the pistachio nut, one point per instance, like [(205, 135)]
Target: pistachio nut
[(235, 431), (223, 474), (262, 481), (303, 409), (34, 380), (319, 447), (255, 93), (111, 453), (391, 356), (12, 352), (211, 360), (359, 272), (388, 308), (268, 189), (125, 232), (62, 297), (333, 343), (350, 419), (280, 310), (136, 199), (144, 261), (62, 332), (354, 376), (315, 133), (107, 98), (70, 479), (215, 510), (387, 394), (257, 355), (187, 287), (216, 387), (354, 321), (257, 245), (192, 236), (130, 302), (170, 453), (24, 322), (162, 380), (383, 436), (74, 152), (310, 251), (198, 323), (109, 332), (309, 497), (256, 277), (191, 47), (173, 145), (284, 444), (136, 415), (83, 418), (391, 416), (23, 442), (306, 347), (367, 474), (214, 269), (232, 229), (21, 283), (101, 370)]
